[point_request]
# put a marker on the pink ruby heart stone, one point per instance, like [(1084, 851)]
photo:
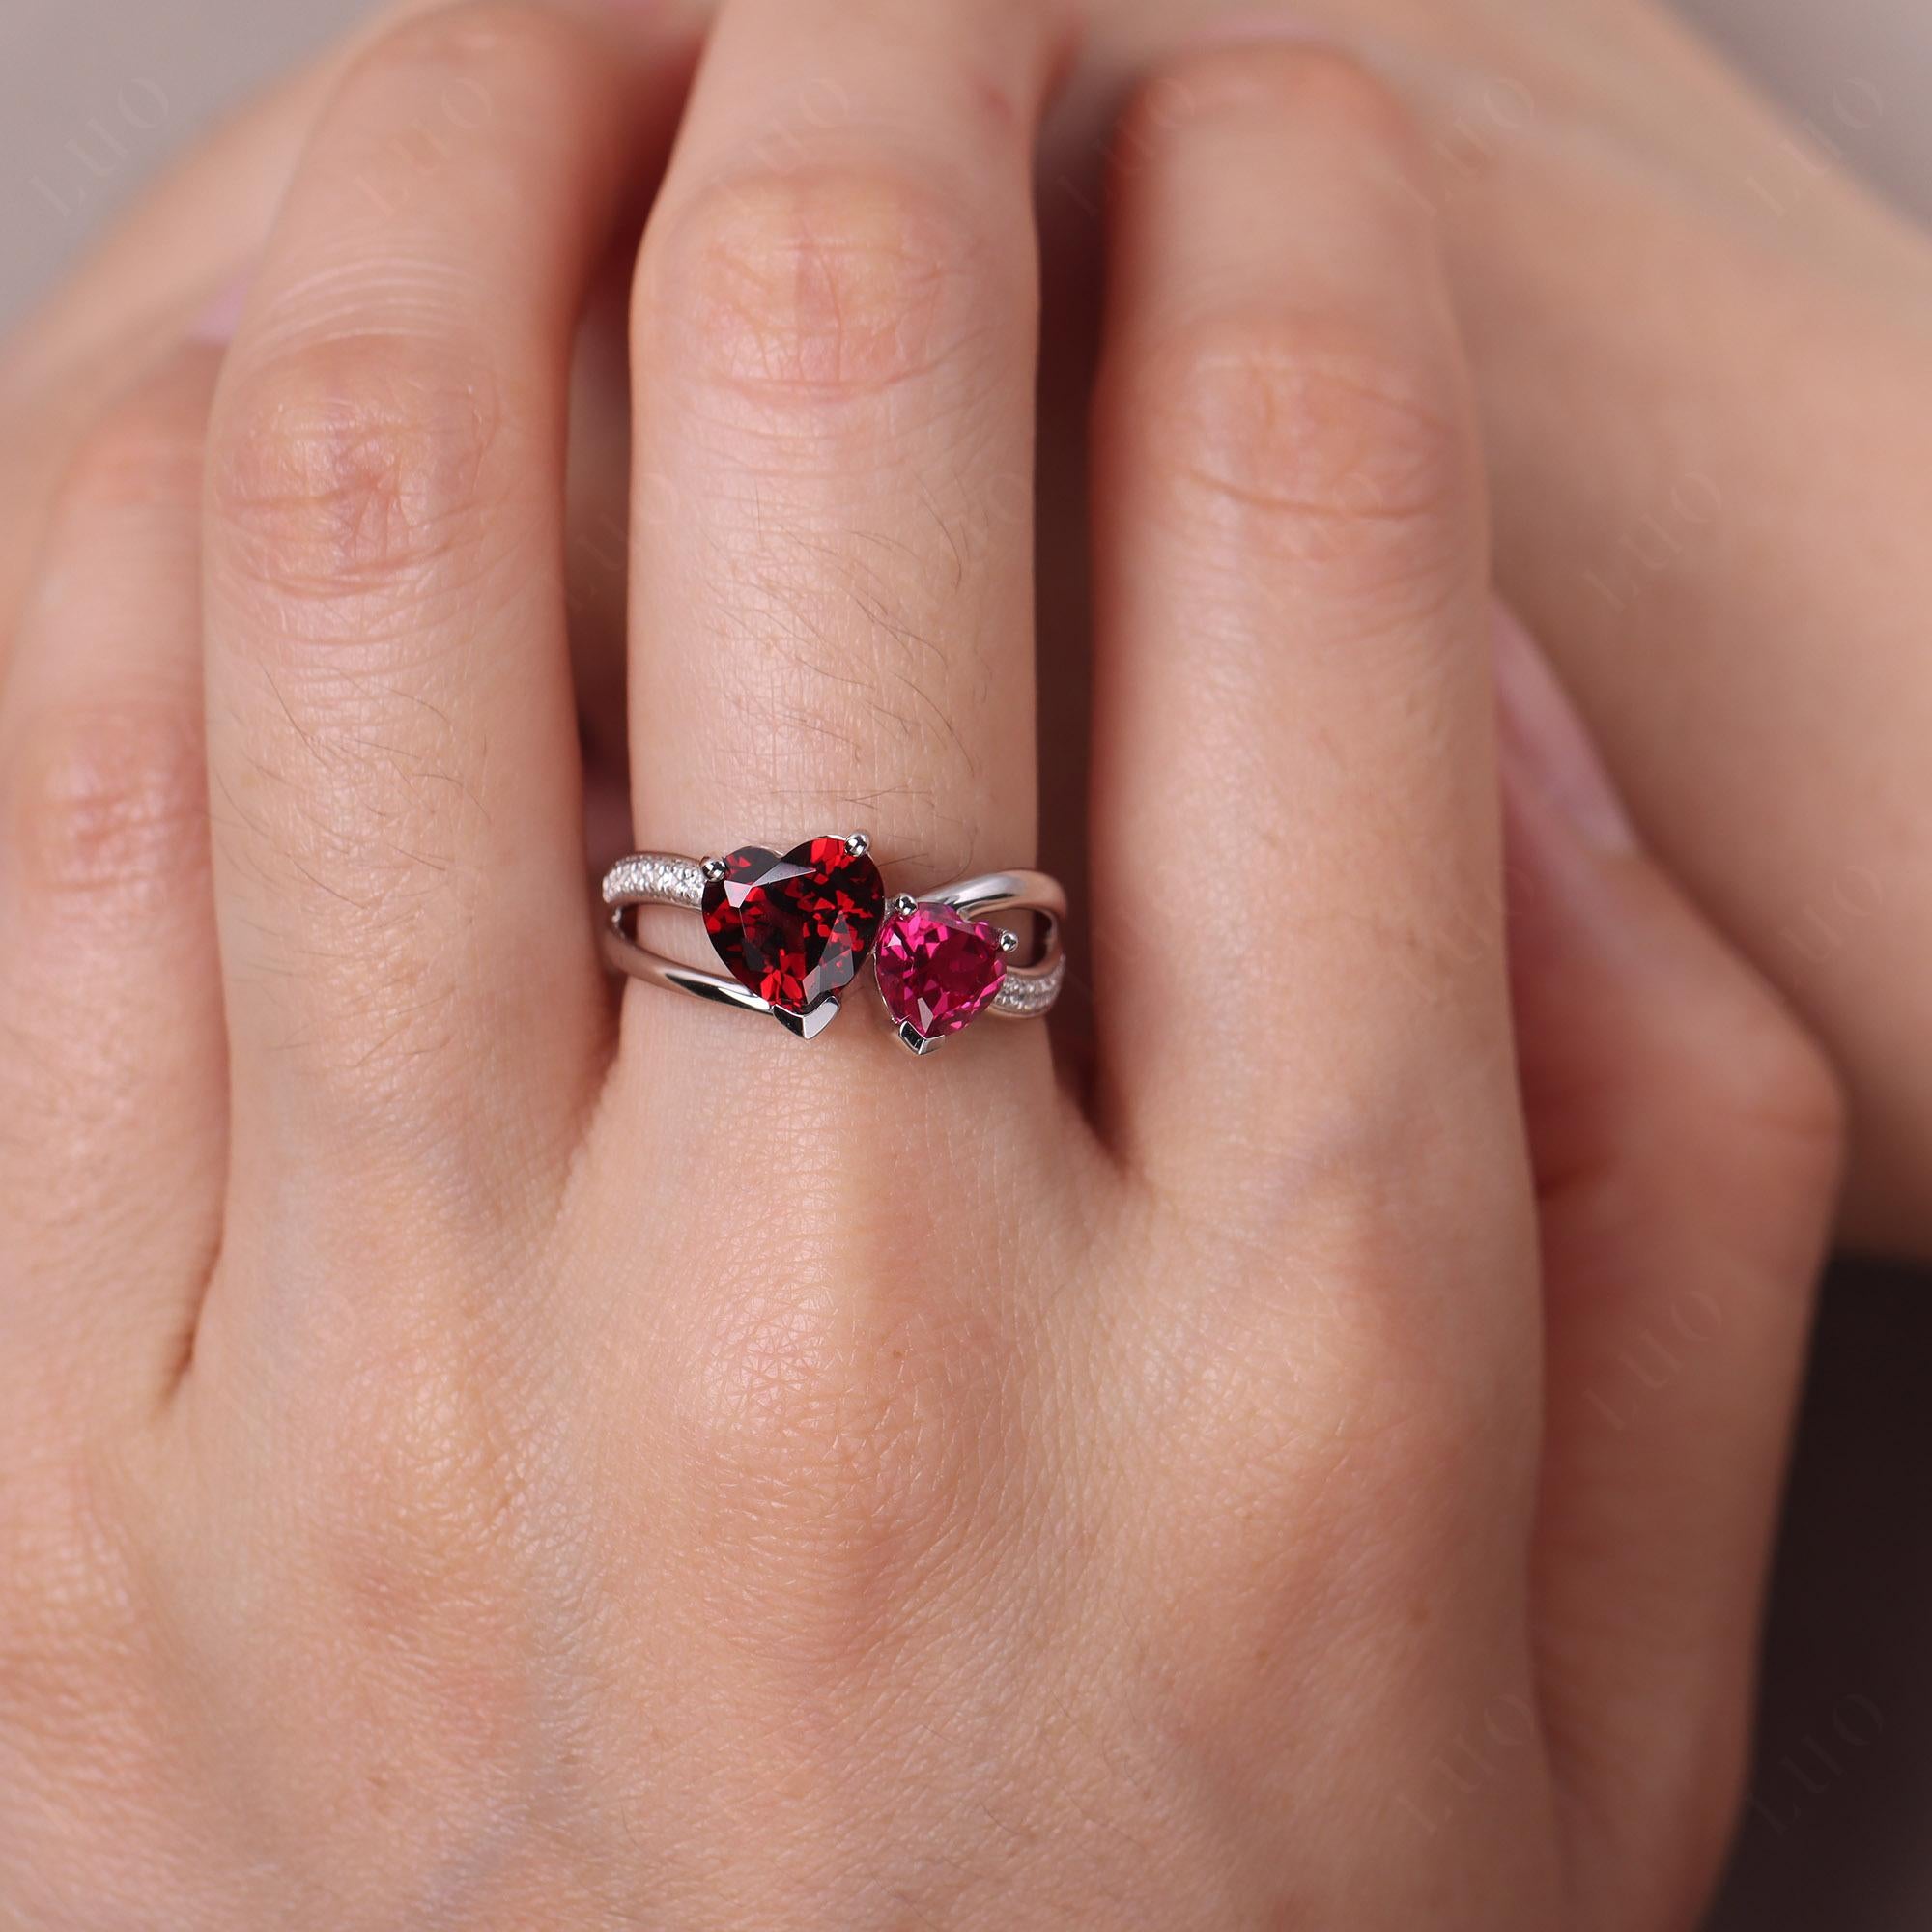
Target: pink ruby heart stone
[(937, 971)]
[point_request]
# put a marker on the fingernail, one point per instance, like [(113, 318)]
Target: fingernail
[(217, 322), (1548, 742)]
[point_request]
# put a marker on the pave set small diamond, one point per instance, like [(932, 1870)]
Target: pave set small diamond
[(1027, 998), (654, 878)]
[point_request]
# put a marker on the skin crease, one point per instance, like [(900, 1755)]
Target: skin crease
[(1731, 587), (469, 1457)]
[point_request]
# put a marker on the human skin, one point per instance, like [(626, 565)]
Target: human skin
[(1701, 357), (472, 1453), (1704, 360)]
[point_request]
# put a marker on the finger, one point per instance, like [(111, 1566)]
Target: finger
[(1686, 1142), (113, 1095), (399, 851), (183, 244), (1297, 947), (835, 328)]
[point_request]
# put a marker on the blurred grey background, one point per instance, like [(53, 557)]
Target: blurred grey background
[(96, 95)]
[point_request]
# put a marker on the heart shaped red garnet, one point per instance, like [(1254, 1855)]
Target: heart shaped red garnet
[(937, 971), (795, 930)]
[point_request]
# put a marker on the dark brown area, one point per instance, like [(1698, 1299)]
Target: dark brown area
[(1837, 1837)]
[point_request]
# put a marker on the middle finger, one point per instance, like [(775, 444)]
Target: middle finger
[(835, 338)]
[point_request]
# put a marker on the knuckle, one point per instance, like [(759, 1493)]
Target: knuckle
[(1395, 1409), (112, 798), (836, 1443), (422, 1480), (354, 486), (142, 456), (1332, 1454), (358, 467), (1302, 433), (412, 1458), (814, 285)]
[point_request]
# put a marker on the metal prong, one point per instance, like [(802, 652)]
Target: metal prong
[(858, 843), (808, 1025), (713, 870), (919, 1042), (1010, 941), (903, 906)]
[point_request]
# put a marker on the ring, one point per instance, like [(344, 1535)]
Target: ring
[(795, 930)]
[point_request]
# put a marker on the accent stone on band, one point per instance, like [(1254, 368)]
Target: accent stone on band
[(1022, 998), (661, 878)]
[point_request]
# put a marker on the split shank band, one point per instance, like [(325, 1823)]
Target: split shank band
[(796, 929)]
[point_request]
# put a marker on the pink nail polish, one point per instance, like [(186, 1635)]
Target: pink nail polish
[(1547, 741)]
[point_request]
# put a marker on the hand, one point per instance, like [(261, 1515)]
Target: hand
[(1676, 521), (471, 1464)]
